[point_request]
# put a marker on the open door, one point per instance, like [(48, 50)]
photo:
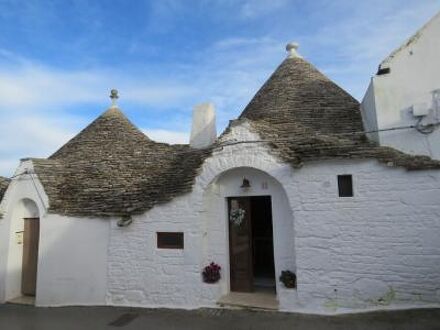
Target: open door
[(240, 244), (30, 256)]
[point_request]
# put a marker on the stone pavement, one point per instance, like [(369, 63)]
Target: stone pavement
[(16, 317)]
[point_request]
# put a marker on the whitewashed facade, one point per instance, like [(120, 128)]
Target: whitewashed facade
[(72, 256), (408, 95), (377, 249)]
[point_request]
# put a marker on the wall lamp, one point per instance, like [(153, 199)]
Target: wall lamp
[(246, 184)]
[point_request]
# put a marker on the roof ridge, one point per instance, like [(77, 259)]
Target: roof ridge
[(306, 146)]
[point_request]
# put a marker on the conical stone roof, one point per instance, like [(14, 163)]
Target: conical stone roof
[(297, 92), (112, 168), (3, 186), (307, 117), (110, 135)]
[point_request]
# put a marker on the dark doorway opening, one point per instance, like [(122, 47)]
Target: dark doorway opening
[(252, 265), (30, 256), (262, 242)]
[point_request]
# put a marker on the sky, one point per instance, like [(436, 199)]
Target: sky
[(60, 58)]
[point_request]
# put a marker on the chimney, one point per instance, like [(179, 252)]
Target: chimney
[(203, 131)]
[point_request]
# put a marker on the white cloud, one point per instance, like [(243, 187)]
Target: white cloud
[(37, 135), (38, 87), (32, 136), (167, 136)]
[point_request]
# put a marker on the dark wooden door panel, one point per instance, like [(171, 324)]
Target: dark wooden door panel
[(240, 247), (30, 257)]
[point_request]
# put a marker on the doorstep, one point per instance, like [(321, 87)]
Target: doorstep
[(253, 300), (22, 300)]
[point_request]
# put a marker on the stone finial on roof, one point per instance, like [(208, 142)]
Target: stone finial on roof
[(292, 48), (114, 97)]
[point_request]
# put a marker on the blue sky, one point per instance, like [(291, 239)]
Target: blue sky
[(60, 58)]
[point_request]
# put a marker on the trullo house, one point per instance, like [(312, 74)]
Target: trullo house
[(292, 187)]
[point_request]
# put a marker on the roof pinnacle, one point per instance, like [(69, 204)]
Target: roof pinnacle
[(114, 97), (292, 48)]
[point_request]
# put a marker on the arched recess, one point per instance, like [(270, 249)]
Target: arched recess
[(21, 270), (216, 218)]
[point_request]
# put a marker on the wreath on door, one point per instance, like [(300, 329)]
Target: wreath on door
[(237, 216)]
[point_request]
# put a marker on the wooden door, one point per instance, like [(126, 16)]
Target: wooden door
[(240, 246), (30, 256)]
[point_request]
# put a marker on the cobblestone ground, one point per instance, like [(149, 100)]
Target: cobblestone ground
[(16, 317)]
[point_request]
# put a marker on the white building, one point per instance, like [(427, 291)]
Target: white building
[(113, 218), (403, 99)]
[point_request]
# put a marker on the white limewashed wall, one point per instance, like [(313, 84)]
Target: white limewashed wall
[(413, 82)]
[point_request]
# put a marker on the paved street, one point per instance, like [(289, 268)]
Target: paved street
[(16, 317)]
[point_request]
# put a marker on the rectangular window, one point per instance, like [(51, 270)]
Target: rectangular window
[(169, 240), (345, 185)]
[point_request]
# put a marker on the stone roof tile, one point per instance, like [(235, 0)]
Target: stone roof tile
[(112, 168), (4, 183), (308, 117)]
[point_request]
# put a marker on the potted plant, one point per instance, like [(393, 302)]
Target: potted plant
[(211, 273), (288, 278)]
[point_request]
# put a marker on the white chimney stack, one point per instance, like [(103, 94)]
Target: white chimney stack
[(203, 131)]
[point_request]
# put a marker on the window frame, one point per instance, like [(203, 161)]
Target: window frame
[(344, 185), (180, 237)]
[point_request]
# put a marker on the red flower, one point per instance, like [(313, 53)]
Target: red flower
[(211, 273)]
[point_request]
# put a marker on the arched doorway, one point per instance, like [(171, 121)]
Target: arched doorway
[(264, 246), (22, 264)]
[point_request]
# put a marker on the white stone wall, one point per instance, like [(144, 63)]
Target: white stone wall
[(23, 198), (415, 74), (379, 248), (72, 261), (72, 256), (369, 116), (142, 275), (374, 250)]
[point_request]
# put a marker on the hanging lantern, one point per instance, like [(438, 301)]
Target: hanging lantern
[(246, 184)]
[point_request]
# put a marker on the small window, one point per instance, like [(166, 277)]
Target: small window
[(345, 185), (170, 240)]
